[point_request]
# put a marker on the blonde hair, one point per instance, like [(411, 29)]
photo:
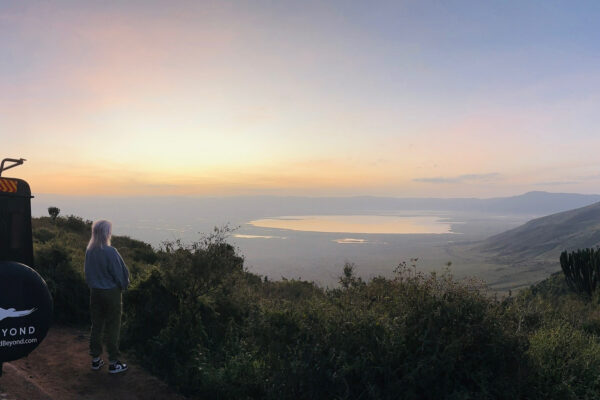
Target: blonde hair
[(101, 232)]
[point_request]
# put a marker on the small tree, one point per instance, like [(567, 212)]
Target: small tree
[(581, 269), (349, 279), (53, 211)]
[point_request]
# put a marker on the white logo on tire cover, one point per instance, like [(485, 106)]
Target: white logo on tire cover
[(11, 313)]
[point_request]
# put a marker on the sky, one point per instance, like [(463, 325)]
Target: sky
[(316, 98)]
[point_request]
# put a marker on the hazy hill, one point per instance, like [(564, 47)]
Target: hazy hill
[(537, 202), (546, 237)]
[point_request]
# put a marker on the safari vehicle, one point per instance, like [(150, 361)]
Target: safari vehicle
[(25, 302)]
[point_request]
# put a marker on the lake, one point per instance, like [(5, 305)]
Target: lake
[(368, 224)]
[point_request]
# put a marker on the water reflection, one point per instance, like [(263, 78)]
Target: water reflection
[(350, 241)]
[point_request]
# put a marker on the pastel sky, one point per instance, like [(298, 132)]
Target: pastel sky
[(398, 98)]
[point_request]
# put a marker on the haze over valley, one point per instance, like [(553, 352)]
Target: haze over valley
[(312, 238)]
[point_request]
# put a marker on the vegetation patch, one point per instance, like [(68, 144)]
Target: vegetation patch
[(196, 318)]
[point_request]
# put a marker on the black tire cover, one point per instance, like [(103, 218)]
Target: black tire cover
[(25, 310)]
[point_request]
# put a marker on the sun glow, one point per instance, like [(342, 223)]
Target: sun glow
[(221, 100)]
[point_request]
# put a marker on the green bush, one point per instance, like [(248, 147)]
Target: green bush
[(194, 317), (212, 330), (427, 337), (184, 318), (135, 249), (66, 284), (148, 306), (43, 235), (567, 360), (74, 223)]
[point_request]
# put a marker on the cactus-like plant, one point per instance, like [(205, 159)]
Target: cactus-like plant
[(581, 269)]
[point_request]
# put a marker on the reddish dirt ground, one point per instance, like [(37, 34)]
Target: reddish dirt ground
[(59, 369)]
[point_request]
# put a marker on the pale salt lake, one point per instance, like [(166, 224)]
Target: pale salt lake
[(358, 224)]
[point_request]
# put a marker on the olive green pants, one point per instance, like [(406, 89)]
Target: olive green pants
[(105, 310)]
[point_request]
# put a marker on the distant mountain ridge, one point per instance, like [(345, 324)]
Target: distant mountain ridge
[(538, 202), (533, 203), (546, 237)]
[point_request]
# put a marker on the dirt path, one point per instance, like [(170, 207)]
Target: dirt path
[(59, 369)]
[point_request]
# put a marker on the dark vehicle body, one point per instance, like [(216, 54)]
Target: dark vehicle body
[(16, 242), (25, 302)]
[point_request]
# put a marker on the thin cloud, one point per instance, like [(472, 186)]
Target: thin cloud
[(466, 178), (589, 177)]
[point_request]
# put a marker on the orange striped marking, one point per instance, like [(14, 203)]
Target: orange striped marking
[(7, 185)]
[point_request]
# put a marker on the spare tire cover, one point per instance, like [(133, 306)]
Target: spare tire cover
[(25, 310)]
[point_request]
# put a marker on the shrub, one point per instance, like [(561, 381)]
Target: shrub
[(73, 223), (197, 319), (148, 305), (66, 284), (137, 250), (211, 329), (567, 360), (43, 235), (183, 319), (427, 337)]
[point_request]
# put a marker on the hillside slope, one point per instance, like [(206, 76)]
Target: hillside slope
[(546, 237)]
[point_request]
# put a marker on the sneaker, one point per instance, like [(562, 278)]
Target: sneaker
[(116, 367), (96, 365)]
